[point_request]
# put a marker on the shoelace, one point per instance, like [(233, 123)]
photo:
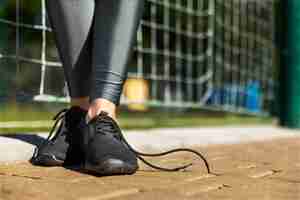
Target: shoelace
[(52, 137), (104, 118)]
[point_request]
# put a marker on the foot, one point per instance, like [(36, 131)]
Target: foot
[(105, 152), (53, 152)]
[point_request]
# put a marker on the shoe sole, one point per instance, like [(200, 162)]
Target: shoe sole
[(47, 160), (111, 167)]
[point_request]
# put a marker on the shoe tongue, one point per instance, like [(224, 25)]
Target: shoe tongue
[(103, 114), (98, 119), (105, 124)]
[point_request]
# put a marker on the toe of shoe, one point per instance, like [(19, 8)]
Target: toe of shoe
[(113, 167), (46, 160)]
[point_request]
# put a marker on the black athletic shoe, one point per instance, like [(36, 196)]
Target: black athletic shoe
[(53, 151), (105, 153), (108, 153)]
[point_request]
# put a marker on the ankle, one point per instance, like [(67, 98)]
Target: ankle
[(99, 105)]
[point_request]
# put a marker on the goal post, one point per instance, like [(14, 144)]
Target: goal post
[(289, 37)]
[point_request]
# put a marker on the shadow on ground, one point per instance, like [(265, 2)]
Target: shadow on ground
[(28, 138)]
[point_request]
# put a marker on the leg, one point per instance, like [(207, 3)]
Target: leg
[(72, 23), (115, 26), (82, 102)]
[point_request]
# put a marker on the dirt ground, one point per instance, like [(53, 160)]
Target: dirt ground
[(264, 171)]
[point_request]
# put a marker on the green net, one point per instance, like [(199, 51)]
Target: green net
[(202, 54)]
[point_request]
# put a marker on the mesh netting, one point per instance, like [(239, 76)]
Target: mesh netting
[(192, 53)]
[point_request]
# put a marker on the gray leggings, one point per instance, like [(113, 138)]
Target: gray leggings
[(94, 40)]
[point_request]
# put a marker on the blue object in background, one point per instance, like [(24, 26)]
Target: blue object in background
[(229, 95), (253, 96), (216, 97)]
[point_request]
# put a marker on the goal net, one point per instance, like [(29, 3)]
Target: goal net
[(214, 54)]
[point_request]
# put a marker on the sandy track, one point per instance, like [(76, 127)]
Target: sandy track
[(260, 170)]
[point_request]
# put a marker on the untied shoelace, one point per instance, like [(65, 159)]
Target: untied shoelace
[(104, 118)]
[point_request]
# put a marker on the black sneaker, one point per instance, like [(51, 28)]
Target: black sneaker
[(53, 151), (105, 153), (108, 153)]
